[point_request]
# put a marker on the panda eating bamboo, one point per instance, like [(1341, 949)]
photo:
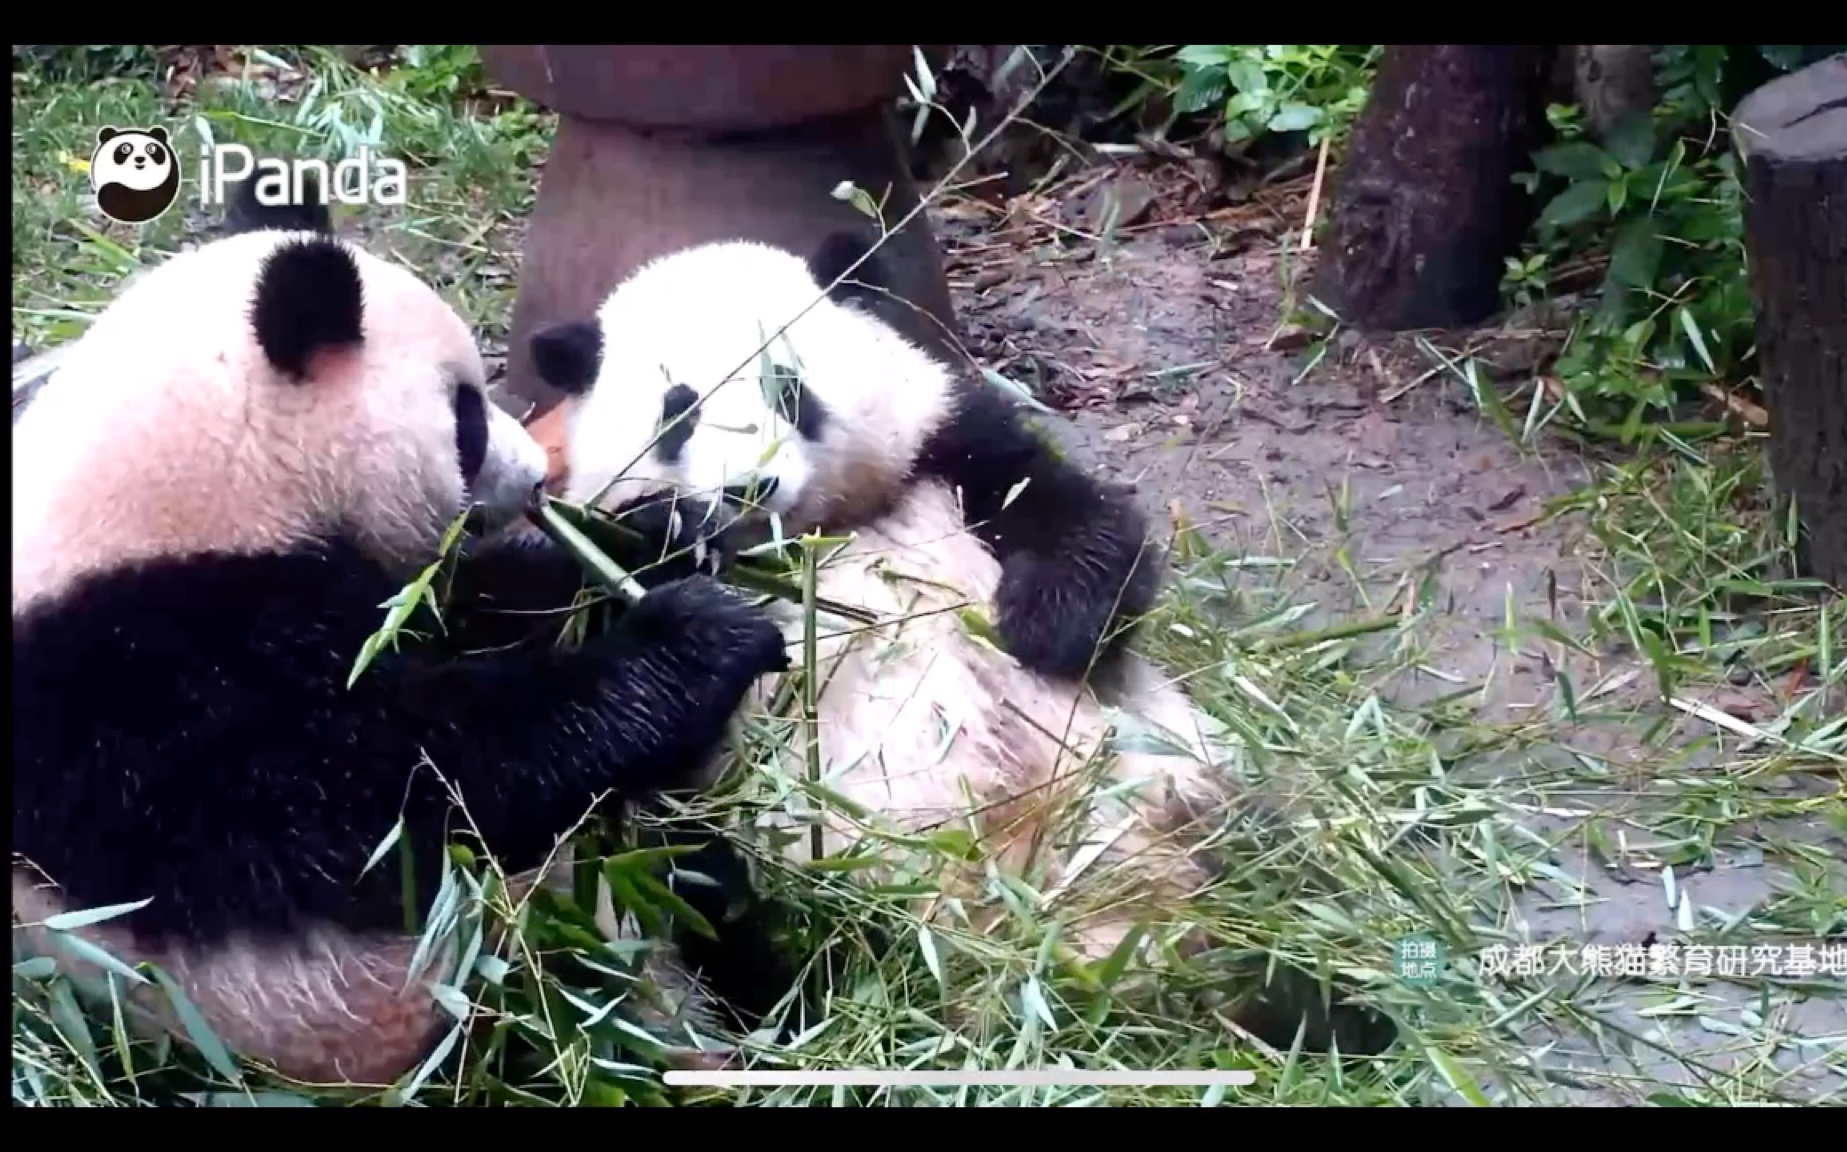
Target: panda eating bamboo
[(254, 447)]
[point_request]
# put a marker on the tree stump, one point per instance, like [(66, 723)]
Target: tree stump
[(1793, 135), (1425, 207), (668, 145)]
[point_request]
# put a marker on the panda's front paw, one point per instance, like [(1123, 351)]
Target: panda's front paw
[(1048, 626), (682, 536), (723, 641)]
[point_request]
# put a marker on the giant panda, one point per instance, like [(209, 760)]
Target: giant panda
[(251, 450), (840, 426), (734, 384)]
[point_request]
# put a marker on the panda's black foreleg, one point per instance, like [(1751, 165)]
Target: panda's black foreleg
[(530, 735), (1077, 567)]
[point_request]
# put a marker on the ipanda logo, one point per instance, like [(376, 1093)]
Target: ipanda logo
[(360, 179), (135, 174)]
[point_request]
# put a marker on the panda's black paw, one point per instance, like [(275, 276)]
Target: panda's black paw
[(746, 968), (721, 642), (1291, 1002), (682, 536), (1047, 628)]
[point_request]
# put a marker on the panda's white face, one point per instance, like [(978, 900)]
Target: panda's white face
[(696, 390), (737, 440), (132, 159)]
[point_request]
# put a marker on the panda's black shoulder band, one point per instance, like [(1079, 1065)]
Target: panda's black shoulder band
[(568, 356), (308, 299)]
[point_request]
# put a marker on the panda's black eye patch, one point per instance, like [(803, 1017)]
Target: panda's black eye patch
[(123, 152), (679, 416), (470, 431), (155, 152), (795, 404), (568, 356)]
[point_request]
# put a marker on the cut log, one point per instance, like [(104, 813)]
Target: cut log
[(1425, 207), (1793, 135)]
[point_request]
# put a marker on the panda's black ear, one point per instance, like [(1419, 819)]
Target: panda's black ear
[(245, 213), (568, 356), (869, 283), (309, 299), (106, 134), (158, 133)]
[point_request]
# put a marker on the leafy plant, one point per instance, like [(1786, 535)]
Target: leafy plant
[(440, 71), (1659, 199), (1260, 89)]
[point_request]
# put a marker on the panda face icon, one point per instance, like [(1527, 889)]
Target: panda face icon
[(134, 173)]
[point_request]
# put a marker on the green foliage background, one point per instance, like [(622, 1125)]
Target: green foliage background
[(1657, 204)]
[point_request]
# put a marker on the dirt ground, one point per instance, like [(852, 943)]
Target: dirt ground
[(1163, 346), (1169, 353)]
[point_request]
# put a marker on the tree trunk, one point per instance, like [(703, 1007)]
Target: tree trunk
[(1793, 134), (1425, 207)]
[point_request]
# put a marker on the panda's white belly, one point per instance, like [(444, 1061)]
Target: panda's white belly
[(925, 726)]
